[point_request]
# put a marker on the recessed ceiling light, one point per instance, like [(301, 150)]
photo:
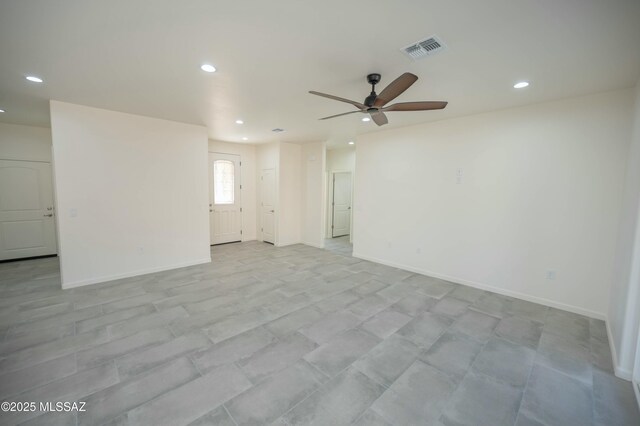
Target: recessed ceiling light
[(208, 68), (366, 119), (521, 85), (34, 79), (351, 142), (245, 138), (1, 110), (239, 121)]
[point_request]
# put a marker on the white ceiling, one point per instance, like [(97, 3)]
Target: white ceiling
[(144, 57)]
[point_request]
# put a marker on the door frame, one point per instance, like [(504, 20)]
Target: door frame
[(329, 202), (210, 184)]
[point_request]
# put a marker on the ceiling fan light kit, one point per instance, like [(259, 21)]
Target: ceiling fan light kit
[(374, 104)]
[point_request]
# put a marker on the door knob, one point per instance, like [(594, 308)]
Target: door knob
[(349, 208), (272, 211)]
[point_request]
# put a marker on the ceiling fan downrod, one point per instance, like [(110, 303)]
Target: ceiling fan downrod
[(372, 79)]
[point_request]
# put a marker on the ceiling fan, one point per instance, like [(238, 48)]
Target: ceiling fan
[(374, 104)]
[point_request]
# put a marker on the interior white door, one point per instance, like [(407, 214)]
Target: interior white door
[(27, 227), (267, 205), (341, 204), (225, 210)]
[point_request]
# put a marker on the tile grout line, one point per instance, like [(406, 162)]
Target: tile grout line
[(224, 407), (526, 386), (195, 365), (301, 401), (468, 370)]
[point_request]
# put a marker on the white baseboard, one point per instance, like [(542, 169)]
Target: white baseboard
[(287, 243), (487, 287), (106, 278), (320, 246), (622, 373)]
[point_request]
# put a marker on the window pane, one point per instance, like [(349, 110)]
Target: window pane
[(223, 182)]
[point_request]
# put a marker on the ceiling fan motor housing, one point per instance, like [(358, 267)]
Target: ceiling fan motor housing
[(369, 100)]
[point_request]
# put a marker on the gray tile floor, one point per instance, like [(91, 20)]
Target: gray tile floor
[(297, 335), (339, 245)]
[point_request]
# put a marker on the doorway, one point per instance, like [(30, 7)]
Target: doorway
[(225, 208), (340, 172), (268, 205), (341, 204), (27, 227)]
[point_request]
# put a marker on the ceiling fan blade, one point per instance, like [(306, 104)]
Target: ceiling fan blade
[(379, 118), (338, 115), (416, 106), (336, 98), (395, 89)]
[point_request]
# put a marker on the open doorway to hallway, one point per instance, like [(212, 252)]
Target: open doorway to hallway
[(340, 168), (341, 189)]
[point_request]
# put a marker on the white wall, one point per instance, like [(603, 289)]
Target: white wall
[(624, 305), (541, 191), (341, 159), (25, 143), (268, 156), (247, 155), (138, 188), (338, 160), (290, 199), (313, 193)]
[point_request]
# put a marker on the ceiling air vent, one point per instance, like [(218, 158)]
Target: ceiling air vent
[(423, 48)]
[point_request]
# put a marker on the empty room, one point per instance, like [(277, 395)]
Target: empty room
[(334, 213)]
